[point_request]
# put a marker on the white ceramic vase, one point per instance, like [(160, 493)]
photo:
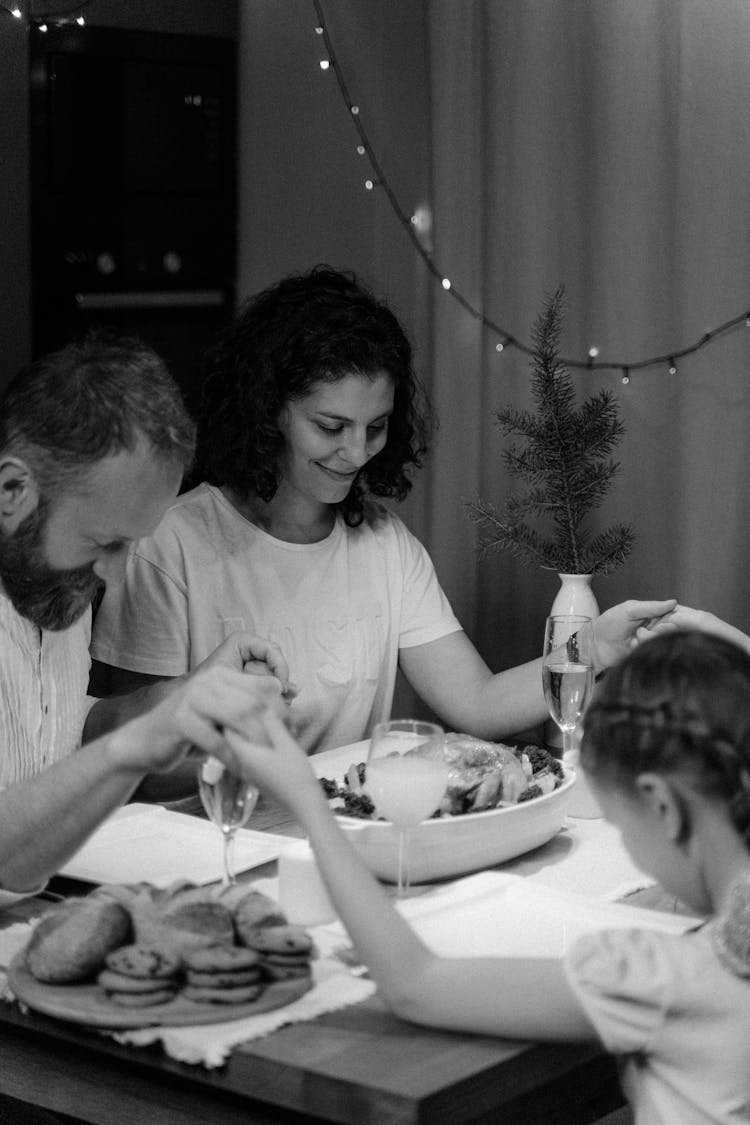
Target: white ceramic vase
[(575, 596)]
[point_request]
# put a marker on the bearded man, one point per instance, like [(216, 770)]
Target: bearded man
[(94, 442)]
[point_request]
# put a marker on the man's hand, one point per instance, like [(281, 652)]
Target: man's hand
[(196, 713), (246, 652)]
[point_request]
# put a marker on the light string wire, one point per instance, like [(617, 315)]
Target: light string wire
[(507, 339)]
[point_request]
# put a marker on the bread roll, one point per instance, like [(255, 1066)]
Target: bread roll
[(71, 942), (181, 925)]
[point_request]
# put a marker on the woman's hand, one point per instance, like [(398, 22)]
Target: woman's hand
[(615, 631), (246, 652)]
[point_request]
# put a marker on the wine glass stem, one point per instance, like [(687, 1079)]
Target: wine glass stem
[(403, 862), (228, 879), (570, 741)]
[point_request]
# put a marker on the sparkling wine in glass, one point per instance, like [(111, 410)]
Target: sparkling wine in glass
[(229, 801), (407, 776), (567, 675)]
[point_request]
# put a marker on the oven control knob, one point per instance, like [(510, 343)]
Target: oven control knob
[(172, 262), (105, 263)]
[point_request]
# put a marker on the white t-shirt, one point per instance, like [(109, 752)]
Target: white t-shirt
[(677, 1019), (339, 610)]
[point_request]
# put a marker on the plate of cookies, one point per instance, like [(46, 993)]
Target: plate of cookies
[(137, 956)]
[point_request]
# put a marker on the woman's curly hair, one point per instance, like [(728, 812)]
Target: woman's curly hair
[(310, 328), (678, 704)]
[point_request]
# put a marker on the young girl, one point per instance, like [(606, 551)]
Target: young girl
[(313, 414), (666, 749)]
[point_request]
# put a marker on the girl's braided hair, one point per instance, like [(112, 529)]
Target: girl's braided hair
[(678, 704)]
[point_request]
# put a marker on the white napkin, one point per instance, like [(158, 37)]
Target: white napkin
[(148, 843)]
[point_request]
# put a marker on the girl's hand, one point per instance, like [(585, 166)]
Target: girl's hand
[(683, 617), (274, 761)]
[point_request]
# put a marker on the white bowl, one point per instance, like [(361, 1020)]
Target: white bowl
[(448, 846)]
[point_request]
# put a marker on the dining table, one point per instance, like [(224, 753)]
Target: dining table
[(356, 1065)]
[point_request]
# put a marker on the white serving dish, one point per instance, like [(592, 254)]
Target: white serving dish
[(449, 846)]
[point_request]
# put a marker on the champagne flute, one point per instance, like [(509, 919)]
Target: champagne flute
[(567, 675), (229, 801), (407, 775)]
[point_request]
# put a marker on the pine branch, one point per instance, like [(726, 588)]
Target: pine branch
[(563, 451)]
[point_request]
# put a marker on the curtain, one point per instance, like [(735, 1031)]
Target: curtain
[(598, 144), (602, 145)]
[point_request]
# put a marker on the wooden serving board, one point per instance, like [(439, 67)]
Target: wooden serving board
[(88, 1003)]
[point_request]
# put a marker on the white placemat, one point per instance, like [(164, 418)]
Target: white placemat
[(148, 843)]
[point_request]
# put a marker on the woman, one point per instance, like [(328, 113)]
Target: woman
[(312, 413)]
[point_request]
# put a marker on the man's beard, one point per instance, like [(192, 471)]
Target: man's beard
[(49, 598)]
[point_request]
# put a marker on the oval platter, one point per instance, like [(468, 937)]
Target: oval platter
[(87, 1002)]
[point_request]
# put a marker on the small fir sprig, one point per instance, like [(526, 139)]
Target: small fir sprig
[(564, 455)]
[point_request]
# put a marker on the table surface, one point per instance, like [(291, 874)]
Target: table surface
[(359, 1065)]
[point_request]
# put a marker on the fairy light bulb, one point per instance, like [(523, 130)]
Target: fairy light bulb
[(672, 367), (499, 346), (354, 110), (80, 21), (625, 376), (446, 283), (16, 13), (369, 184), (593, 351), (325, 64), (361, 150), (318, 30)]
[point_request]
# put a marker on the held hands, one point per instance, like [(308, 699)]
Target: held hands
[(214, 700), (683, 617), (275, 762), (246, 652), (616, 631)]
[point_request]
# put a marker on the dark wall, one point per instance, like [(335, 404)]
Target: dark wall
[(194, 17)]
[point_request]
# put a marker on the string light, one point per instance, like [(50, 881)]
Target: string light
[(41, 17), (508, 340)]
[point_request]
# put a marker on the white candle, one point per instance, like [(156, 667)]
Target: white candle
[(302, 893)]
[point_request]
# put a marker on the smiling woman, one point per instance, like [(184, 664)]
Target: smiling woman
[(310, 404), (312, 415)]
